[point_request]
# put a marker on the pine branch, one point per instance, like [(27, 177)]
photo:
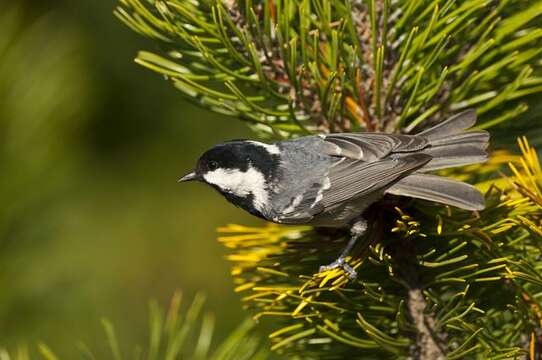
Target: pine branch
[(441, 266), (345, 65), (433, 281), (430, 345)]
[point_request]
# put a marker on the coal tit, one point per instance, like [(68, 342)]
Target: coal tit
[(330, 180)]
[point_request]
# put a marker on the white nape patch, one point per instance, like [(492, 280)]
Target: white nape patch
[(295, 202), (272, 149), (241, 183)]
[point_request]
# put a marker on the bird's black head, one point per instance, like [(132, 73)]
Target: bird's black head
[(241, 170)]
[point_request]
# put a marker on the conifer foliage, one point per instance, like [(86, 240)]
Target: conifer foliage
[(434, 282)]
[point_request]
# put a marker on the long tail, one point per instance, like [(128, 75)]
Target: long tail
[(439, 189), (450, 146)]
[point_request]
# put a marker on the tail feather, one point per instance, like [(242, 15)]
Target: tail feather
[(452, 126), (450, 145), (480, 137), (439, 189), (453, 155)]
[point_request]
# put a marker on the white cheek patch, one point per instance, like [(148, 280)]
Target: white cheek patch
[(241, 183)]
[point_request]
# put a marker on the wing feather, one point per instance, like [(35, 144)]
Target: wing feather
[(371, 146), (359, 178), (349, 179)]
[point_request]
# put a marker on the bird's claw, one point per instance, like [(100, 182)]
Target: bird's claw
[(341, 263)]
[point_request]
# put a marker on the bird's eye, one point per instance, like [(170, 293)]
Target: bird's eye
[(212, 165)]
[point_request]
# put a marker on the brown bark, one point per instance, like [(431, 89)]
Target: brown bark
[(429, 345)]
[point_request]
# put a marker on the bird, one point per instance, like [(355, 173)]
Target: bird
[(330, 180)]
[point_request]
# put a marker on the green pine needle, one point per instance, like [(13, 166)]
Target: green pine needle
[(467, 284)]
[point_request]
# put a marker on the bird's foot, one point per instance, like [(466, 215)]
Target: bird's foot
[(341, 263)]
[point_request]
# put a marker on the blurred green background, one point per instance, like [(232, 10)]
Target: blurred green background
[(93, 222)]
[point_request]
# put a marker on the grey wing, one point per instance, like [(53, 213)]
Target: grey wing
[(371, 146), (356, 178), (349, 179)]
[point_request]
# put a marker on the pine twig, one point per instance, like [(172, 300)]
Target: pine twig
[(428, 347)]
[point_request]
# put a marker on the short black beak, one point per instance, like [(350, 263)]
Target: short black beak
[(189, 177)]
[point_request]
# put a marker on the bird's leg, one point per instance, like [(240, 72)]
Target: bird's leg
[(357, 229)]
